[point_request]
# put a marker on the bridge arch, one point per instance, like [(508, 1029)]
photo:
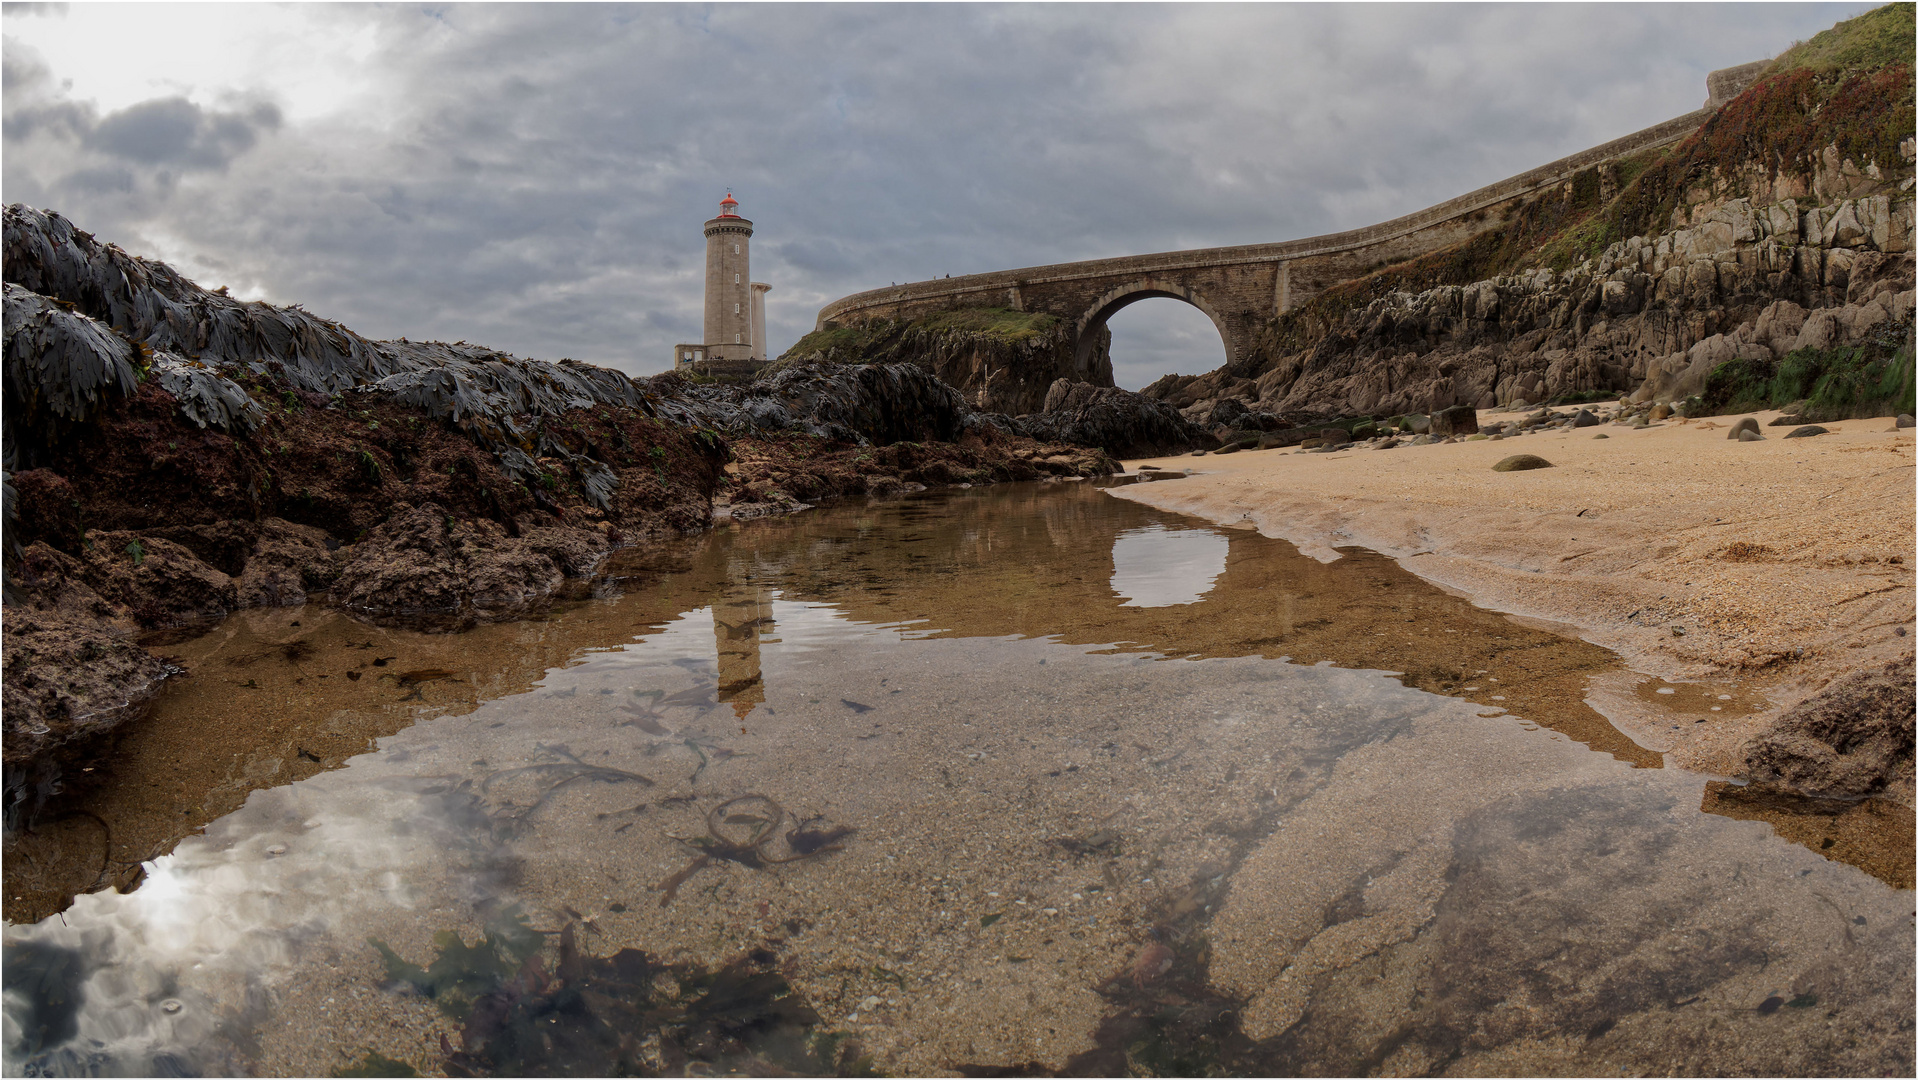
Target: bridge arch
[(1112, 301)]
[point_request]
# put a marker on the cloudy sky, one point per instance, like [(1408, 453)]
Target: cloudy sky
[(534, 177)]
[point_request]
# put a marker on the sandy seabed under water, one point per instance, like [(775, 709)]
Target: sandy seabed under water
[(1019, 779)]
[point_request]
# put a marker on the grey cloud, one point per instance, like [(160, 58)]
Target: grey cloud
[(540, 175), (175, 131)]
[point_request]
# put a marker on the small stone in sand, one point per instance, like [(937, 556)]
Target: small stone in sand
[(1521, 462), (1806, 432), (1750, 436), (1749, 423), (1601, 435)]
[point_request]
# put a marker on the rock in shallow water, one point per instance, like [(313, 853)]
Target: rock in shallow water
[(1521, 463), (1851, 740)]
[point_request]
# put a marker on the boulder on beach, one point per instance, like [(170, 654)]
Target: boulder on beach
[(1750, 435), (1457, 420), (1806, 432), (1586, 418), (1749, 423), (1521, 463)]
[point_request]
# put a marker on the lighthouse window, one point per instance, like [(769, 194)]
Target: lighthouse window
[(735, 249), (736, 340), (735, 279), (735, 309)]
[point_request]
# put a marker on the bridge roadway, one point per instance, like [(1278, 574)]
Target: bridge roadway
[(1241, 288)]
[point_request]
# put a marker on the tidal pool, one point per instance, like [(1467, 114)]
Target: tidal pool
[(992, 782)]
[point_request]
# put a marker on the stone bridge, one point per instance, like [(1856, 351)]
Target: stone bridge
[(1242, 288)]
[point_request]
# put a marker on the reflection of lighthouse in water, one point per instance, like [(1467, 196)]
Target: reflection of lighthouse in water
[(740, 616)]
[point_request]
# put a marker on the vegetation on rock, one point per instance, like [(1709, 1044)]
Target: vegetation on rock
[(1873, 378)]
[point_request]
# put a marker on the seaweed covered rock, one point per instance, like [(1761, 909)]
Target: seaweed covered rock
[(1122, 423), (424, 563), (200, 341), (1850, 740), (878, 403)]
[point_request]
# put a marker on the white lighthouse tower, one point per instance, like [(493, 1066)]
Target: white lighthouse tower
[(735, 329)]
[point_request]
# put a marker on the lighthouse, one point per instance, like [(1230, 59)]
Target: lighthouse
[(735, 328)]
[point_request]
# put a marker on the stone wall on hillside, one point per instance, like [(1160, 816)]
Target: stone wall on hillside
[(1650, 316)]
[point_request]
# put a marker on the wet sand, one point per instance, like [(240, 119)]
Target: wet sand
[(1783, 564)]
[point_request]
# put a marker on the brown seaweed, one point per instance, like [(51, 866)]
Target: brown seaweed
[(628, 1014), (759, 817)]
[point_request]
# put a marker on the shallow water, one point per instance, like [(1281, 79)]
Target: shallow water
[(1025, 778)]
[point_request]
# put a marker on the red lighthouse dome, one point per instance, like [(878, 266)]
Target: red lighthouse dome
[(728, 206)]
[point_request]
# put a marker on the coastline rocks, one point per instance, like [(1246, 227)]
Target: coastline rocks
[(422, 562), (1851, 740), (1521, 463), (1906, 420), (1748, 424), (1124, 424), (1585, 418)]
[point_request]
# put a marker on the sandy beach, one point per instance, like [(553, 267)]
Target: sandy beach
[(1783, 565)]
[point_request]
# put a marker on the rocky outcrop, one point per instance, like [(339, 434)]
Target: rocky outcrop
[(1122, 423), (1849, 741), (1000, 361), (1651, 317)]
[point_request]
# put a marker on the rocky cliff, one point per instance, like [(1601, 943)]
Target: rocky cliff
[(1784, 224)]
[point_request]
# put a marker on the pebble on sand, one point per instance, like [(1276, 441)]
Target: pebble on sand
[(1521, 462)]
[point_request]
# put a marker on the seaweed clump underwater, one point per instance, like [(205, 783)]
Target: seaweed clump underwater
[(628, 1014)]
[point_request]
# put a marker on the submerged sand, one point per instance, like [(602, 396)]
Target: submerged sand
[(1785, 563)]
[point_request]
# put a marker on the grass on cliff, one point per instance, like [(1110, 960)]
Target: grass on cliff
[(1003, 323), (1874, 378), (1878, 38)]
